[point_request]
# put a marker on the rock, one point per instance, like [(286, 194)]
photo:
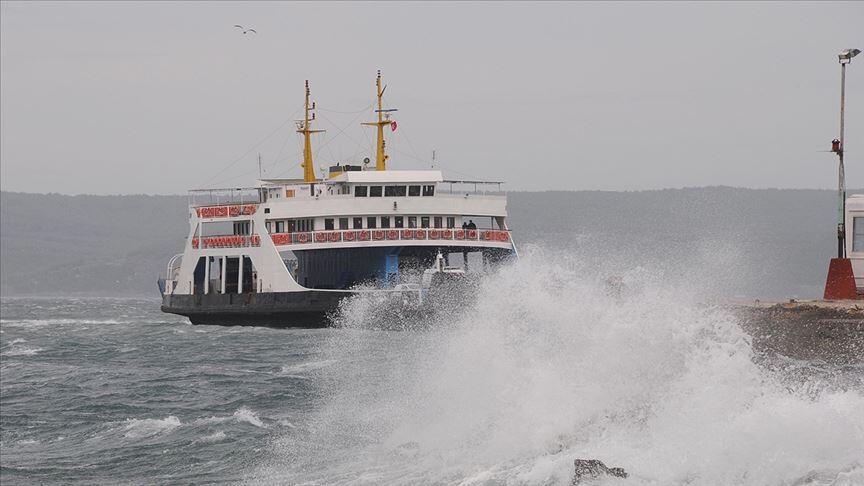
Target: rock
[(590, 469)]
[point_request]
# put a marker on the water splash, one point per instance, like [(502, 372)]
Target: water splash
[(547, 365)]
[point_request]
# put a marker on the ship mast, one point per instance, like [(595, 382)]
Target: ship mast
[(303, 126), (383, 120)]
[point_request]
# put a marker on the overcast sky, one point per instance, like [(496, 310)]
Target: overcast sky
[(119, 97)]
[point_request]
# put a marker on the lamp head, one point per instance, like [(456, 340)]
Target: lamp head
[(847, 55)]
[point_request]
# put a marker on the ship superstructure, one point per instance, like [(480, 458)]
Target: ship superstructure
[(286, 251)]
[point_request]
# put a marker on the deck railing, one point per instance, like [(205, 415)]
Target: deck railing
[(350, 236), (227, 241), (214, 197), (391, 234)]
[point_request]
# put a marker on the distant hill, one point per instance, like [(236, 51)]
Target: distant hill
[(743, 242), (97, 245)]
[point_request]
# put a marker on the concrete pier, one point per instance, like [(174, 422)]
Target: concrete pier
[(832, 331)]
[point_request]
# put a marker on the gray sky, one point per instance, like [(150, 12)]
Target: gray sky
[(119, 97)]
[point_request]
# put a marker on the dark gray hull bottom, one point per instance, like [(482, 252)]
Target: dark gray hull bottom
[(308, 309)]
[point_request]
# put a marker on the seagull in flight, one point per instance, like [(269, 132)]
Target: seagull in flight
[(245, 30)]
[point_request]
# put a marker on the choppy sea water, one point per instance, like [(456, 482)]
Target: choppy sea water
[(546, 366)]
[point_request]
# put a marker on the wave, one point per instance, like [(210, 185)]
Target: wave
[(15, 350), (218, 436), (550, 364), (141, 428), (299, 370), (241, 415), (60, 322)]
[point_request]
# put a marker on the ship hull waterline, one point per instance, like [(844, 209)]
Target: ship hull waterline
[(305, 309)]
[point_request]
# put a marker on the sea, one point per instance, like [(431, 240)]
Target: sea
[(544, 366)]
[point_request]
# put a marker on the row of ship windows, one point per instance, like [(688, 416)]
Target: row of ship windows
[(369, 222), (365, 191), (393, 191)]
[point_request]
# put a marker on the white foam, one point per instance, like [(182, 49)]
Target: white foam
[(218, 436), (248, 416), (22, 351), (241, 415), (546, 367), (140, 428)]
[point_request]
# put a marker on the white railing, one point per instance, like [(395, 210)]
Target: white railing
[(491, 188), (213, 197)]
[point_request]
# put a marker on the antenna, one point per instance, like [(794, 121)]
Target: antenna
[(259, 165), (433, 158), (304, 128), (383, 120)]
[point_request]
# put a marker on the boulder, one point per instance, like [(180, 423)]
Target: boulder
[(591, 469)]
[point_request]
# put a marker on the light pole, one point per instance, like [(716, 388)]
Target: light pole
[(837, 147)]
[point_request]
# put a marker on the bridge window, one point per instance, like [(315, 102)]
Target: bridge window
[(858, 234), (413, 190), (438, 221), (451, 222), (360, 191), (424, 222), (428, 190), (385, 221), (280, 226), (412, 221), (343, 223), (328, 223), (400, 222), (370, 222), (374, 191), (358, 223), (394, 191)]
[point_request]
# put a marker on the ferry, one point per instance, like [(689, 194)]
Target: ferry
[(287, 251)]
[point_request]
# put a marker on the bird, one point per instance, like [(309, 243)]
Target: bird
[(245, 30)]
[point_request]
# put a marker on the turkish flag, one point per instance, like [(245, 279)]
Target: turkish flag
[(393, 126)]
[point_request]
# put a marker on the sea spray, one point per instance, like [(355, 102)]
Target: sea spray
[(548, 365)]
